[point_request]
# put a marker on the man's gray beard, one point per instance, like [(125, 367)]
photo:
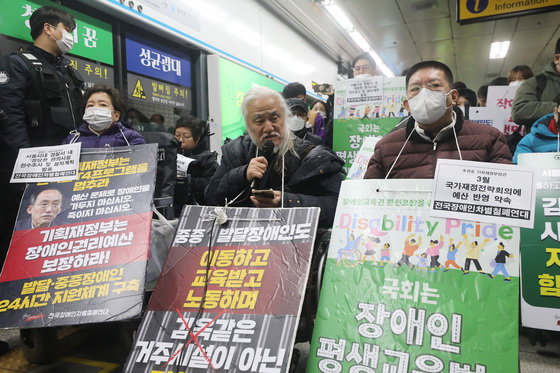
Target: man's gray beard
[(285, 146)]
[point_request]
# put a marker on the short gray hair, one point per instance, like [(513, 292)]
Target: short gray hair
[(258, 92)]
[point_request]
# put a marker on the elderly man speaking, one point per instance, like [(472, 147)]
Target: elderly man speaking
[(270, 167)]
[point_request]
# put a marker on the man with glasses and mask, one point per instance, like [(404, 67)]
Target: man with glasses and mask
[(436, 129), (363, 66), (41, 94), (44, 206)]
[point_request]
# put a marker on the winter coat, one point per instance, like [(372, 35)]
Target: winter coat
[(312, 179), (526, 110), (540, 140), (477, 142), (190, 190), (112, 137)]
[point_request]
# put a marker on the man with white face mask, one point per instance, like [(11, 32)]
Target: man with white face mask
[(297, 122), (436, 129), (41, 94)]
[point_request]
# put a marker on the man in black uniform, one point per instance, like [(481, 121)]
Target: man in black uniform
[(41, 95)]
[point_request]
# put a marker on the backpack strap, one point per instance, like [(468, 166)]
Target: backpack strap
[(541, 85)]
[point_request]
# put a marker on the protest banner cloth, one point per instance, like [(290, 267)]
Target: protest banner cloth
[(47, 164), (489, 192), (363, 109), (395, 289), (79, 249), (501, 97), (540, 246), (229, 295)]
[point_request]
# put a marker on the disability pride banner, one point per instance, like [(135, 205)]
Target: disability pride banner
[(230, 293), (366, 107), (412, 293), (540, 247), (79, 249)]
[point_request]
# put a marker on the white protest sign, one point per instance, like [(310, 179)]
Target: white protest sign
[(501, 97), (365, 90), (183, 165), (360, 163), (486, 192), (488, 115), (47, 164)]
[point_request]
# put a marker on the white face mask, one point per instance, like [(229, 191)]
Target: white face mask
[(428, 106), (295, 123), (66, 43), (362, 76), (323, 114), (98, 118), (515, 82)]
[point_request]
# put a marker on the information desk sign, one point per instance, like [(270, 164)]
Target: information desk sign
[(230, 293), (540, 247), (79, 249), (47, 164), (490, 192), (405, 292)]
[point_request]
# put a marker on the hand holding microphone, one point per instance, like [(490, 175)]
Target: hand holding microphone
[(259, 165)]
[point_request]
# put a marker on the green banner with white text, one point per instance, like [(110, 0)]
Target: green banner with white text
[(412, 293), (93, 39)]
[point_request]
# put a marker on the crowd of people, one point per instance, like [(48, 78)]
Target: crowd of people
[(285, 159)]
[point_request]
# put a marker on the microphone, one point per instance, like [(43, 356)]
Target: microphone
[(268, 153)]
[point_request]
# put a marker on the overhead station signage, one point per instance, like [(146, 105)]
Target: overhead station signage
[(473, 11), (157, 63)]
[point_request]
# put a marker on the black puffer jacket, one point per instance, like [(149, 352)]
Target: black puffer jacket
[(190, 190), (311, 180)]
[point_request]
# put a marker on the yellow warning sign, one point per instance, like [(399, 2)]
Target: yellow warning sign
[(138, 90)]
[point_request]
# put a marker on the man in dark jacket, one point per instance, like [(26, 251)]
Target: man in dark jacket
[(537, 96), (436, 129), (41, 95), (299, 173)]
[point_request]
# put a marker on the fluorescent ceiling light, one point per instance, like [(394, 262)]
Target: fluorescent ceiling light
[(381, 64), (360, 40), (499, 49), (340, 17)]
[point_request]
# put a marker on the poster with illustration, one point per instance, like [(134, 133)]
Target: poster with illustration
[(79, 249), (359, 166), (413, 293), (363, 109), (540, 247)]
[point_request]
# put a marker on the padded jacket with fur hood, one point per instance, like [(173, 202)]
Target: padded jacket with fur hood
[(478, 142)]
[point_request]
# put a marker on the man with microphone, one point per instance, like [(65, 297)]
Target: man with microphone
[(270, 167)]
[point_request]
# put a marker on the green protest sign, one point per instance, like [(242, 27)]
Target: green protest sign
[(540, 247), (235, 81), (364, 108), (412, 293), (93, 39)]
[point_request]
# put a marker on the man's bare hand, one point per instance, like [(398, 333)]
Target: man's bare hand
[(262, 201), (257, 168)]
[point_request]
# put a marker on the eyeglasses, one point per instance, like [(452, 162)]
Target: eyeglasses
[(414, 89), (53, 205), (362, 69)]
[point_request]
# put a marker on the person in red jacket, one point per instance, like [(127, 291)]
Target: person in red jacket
[(436, 129)]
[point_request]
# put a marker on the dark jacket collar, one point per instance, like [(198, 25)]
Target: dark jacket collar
[(46, 56), (459, 121)]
